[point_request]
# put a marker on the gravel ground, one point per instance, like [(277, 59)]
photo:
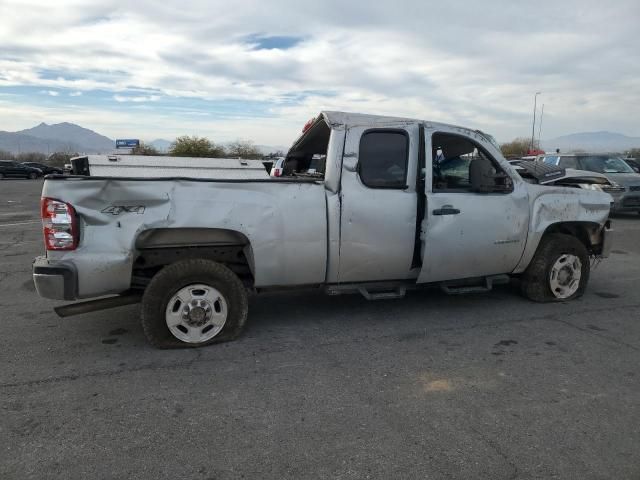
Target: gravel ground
[(431, 386)]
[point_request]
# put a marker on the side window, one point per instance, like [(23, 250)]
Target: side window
[(383, 158), (453, 156)]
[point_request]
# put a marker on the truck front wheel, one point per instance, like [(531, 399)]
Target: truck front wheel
[(193, 303), (559, 270)]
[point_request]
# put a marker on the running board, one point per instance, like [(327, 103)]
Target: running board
[(372, 291), (456, 288), (398, 292)]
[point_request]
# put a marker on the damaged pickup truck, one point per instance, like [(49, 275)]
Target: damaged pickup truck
[(367, 204)]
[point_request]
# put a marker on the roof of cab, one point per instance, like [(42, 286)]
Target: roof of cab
[(347, 118), (335, 119)]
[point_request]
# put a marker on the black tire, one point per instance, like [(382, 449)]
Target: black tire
[(2, 176), (33, 176), (536, 284), (172, 278)]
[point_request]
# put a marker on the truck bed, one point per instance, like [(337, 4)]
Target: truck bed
[(143, 166), (283, 222)]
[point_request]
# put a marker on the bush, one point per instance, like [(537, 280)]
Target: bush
[(243, 149), (516, 148), (187, 146)]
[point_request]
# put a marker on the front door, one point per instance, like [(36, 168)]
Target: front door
[(469, 233), (379, 201)]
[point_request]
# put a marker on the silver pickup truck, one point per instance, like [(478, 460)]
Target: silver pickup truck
[(367, 204)]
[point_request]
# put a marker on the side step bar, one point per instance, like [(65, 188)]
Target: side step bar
[(372, 291), (459, 288), (78, 308), (397, 292), (392, 290)]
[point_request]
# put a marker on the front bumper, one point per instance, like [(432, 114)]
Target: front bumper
[(58, 281), (626, 202)]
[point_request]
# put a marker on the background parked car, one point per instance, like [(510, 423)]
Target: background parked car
[(46, 169), (633, 163), (11, 169), (619, 173)]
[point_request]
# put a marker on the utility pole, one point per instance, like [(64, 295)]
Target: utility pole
[(533, 127), (540, 126)]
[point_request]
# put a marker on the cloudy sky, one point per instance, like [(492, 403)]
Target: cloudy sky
[(260, 69)]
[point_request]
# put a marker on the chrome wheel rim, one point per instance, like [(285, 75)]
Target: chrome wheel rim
[(564, 278), (196, 313)]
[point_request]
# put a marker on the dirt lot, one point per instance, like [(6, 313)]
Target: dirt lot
[(481, 386)]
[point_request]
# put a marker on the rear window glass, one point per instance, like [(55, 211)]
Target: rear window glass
[(383, 159)]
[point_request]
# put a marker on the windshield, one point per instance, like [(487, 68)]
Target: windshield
[(604, 164)]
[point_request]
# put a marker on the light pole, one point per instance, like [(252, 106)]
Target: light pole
[(540, 126), (533, 127)]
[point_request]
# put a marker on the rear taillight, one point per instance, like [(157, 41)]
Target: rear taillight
[(59, 225)]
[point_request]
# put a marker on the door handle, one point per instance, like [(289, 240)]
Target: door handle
[(446, 210)]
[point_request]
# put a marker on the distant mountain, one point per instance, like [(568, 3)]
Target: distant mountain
[(161, 145), (88, 140), (592, 142), (60, 137), (69, 137)]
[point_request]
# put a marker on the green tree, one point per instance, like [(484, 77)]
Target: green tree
[(634, 153), (194, 146), (516, 148), (59, 159), (243, 149), (6, 155), (144, 149), (31, 157), (276, 154)]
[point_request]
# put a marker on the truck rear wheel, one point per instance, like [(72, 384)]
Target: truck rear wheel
[(193, 303), (559, 270)]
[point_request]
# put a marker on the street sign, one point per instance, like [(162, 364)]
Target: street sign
[(127, 143)]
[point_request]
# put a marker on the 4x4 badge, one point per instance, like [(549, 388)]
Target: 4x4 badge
[(118, 209)]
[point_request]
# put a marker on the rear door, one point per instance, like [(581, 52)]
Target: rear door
[(379, 202), (469, 234), (12, 170)]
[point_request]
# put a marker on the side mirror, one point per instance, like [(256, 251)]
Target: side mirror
[(481, 175), (484, 179)]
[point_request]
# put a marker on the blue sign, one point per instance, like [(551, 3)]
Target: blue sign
[(127, 143)]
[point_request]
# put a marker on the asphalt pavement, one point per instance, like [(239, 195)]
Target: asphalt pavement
[(487, 386)]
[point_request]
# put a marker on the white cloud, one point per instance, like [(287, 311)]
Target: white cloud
[(51, 93), (136, 98), (459, 62), (75, 94)]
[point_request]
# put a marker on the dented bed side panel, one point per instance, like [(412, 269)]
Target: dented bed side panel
[(552, 205), (284, 222)]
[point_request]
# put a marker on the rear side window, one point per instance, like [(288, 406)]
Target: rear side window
[(383, 158)]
